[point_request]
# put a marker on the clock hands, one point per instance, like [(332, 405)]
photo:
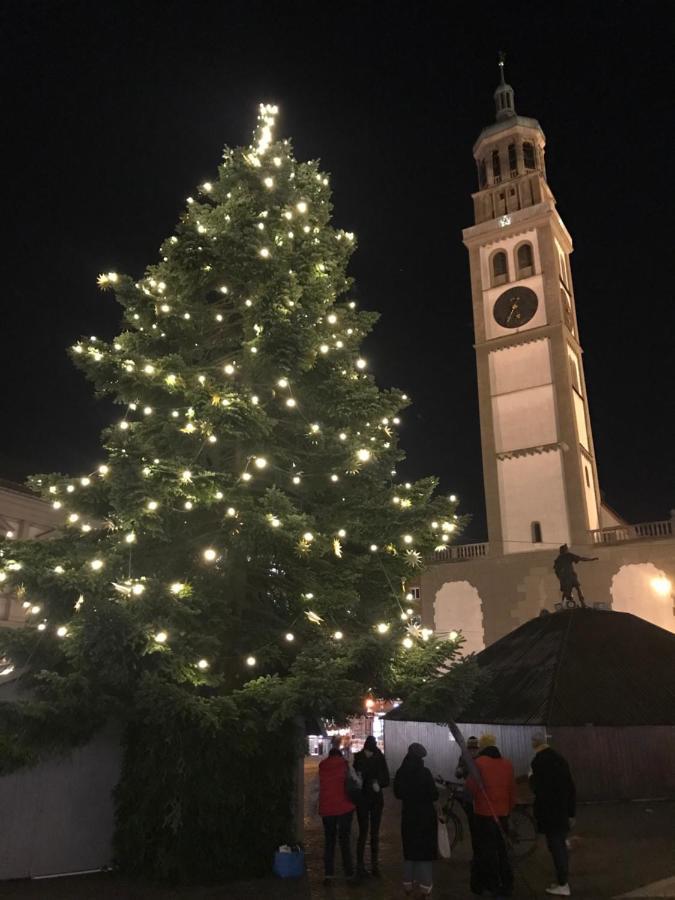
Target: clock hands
[(514, 309)]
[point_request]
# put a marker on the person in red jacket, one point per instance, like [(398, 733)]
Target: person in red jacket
[(494, 796), (336, 810)]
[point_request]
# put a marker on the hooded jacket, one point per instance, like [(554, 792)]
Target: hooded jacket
[(499, 784)]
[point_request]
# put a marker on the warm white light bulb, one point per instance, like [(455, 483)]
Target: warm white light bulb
[(229, 369), (453, 635), (407, 538), (290, 637), (203, 664), (96, 564), (301, 207), (308, 536), (186, 475), (137, 589), (296, 479), (282, 382), (361, 363), (246, 476), (342, 436), (334, 477), (152, 505), (73, 517), (209, 554), (383, 628), (315, 428), (124, 425), (161, 637), (269, 182), (373, 548), (264, 252), (338, 635), (363, 454), (453, 498), (342, 533), (407, 643), (62, 631), (324, 348), (250, 660), (260, 462), (58, 569), (130, 538), (41, 626), (332, 318), (231, 511), (291, 402)]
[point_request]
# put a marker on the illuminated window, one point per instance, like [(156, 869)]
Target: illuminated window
[(500, 271)]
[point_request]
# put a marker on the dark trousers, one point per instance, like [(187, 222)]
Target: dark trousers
[(369, 814), (334, 828), (492, 870), (556, 841)]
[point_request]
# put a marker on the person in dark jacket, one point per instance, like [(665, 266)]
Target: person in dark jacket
[(372, 767), (494, 796), (554, 805), (336, 810), (414, 786)]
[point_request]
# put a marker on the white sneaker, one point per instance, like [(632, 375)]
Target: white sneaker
[(560, 890)]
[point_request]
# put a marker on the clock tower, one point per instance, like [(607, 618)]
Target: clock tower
[(541, 483)]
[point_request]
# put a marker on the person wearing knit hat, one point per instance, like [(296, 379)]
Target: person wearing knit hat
[(554, 806), (372, 767), (415, 787), (494, 796)]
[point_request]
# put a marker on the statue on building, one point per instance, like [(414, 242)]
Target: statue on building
[(567, 576)]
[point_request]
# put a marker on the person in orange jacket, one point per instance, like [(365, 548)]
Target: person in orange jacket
[(494, 796)]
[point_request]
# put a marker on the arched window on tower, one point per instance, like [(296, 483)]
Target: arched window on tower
[(500, 269), (482, 174), (536, 533), (528, 156), (513, 164), (525, 261), (496, 167)]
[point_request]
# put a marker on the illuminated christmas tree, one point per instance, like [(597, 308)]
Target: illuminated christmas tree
[(242, 554)]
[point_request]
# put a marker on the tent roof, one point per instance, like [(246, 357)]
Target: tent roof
[(577, 667)]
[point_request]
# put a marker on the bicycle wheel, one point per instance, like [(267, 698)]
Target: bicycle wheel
[(454, 826), (522, 833)]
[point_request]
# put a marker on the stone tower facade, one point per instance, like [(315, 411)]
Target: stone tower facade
[(541, 482)]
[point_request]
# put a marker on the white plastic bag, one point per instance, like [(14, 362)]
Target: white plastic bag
[(443, 840)]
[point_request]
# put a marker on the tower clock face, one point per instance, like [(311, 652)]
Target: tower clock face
[(515, 307)]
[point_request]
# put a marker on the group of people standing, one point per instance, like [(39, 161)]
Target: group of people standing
[(488, 799)]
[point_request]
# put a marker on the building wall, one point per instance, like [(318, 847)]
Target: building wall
[(512, 589), (59, 815), (22, 516)]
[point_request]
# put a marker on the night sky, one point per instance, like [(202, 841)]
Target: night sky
[(115, 111)]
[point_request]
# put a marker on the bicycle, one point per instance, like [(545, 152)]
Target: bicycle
[(522, 833)]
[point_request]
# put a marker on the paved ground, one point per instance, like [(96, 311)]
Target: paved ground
[(618, 848)]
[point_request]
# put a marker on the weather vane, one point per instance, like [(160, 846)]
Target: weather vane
[(502, 59)]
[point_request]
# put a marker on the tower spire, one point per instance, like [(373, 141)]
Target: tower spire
[(504, 97), (502, 59)]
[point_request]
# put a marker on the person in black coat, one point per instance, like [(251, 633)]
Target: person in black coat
[(554, 805), (415, 787), (372, 767)]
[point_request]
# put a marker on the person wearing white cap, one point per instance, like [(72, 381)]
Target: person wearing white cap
[(554, 805)]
